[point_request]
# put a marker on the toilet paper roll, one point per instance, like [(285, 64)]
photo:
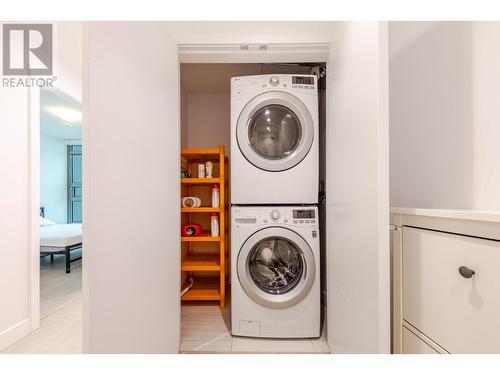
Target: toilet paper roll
[(190, 202)]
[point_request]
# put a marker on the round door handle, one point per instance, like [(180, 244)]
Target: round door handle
[(466, 272)]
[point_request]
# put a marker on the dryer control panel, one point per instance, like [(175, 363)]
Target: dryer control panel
[(292, 216), (288, 82)]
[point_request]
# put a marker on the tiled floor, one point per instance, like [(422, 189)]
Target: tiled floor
[(206, 329)]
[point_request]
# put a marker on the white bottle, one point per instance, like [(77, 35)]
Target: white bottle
[(209, 169), (214, 221), (201, 170), (215, 195)]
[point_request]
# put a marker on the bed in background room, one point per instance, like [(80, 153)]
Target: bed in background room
[(59, 239)]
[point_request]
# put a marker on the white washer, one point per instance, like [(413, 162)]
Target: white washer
[(275, 283), (274, 139)]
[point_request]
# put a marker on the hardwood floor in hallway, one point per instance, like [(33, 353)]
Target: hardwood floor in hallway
[(60, 329)]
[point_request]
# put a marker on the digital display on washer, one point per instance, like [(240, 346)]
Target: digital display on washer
[(301, 80), (303, 214)]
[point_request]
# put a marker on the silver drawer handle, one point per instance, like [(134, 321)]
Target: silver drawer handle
[(466, 272)]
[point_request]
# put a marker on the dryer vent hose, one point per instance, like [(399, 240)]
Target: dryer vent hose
[(189, 286)]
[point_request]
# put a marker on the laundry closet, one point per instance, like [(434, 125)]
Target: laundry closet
[(205, 104), (356, 158)]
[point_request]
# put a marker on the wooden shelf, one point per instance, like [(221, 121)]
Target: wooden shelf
[(194, 249), (203, 289), (205, 262), (205, 237), (200, 181), (201, 209)]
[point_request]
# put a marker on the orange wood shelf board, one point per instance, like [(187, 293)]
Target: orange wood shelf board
[(200, 209), (201, 263), (203, 289), (204, 238), (200, 181), (200, 151), (196, 155)]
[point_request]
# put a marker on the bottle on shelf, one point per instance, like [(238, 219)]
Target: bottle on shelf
[(201, 170), (214, 221), (215, 195), (209, 169)]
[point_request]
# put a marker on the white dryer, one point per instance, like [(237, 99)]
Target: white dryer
[(275, 281), (274, 139)]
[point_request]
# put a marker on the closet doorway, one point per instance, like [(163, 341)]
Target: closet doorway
[(205, 124)]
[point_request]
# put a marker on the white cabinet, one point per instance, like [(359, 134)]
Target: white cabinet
[(447, 287), (442, 298)]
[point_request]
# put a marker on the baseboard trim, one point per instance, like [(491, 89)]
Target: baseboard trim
[(14, 333)]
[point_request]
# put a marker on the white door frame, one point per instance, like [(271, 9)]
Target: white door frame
[(34, 206), (212, 53), (34, 111)]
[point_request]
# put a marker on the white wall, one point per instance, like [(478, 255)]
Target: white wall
[(208, 120), (68, 58), (444, 133), (184, 126), (357, 187), (486, 114), (53, 178), (131, 200), (14, 225)]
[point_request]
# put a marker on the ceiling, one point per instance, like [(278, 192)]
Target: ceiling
[(216, 78), (52, 125)]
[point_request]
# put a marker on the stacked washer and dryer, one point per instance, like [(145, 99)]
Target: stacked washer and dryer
[(275, 252)]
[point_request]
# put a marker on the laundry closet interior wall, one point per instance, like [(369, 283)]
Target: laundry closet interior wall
[(205, 123)]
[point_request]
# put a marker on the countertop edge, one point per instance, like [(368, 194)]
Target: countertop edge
[(461, 214)]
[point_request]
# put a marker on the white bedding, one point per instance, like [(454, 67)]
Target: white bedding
[(56, 236)]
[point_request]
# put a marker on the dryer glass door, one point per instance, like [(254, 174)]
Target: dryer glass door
[(275, 131), (276, 267)]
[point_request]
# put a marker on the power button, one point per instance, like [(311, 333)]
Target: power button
[(274, 81)]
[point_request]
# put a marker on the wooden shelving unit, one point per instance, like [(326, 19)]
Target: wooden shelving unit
[(207, 269)]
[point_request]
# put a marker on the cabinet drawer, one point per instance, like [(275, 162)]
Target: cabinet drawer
[(460, 314), (414, 345)]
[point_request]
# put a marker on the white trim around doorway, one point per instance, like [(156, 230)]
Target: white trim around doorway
[(253, 53)]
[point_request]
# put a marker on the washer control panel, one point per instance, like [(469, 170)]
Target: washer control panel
[(275, 215), (293, 216)]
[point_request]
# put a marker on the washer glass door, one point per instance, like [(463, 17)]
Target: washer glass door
[(275, 131), (276, 267)]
